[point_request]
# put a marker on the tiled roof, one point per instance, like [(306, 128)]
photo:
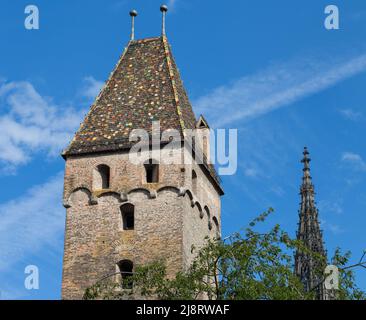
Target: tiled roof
[(145, 86)]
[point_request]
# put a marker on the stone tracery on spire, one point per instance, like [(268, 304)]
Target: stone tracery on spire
[(309, 233)]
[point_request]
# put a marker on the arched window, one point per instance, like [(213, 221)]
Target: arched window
[(101, 178), (194, 182), (152, 171), (217, 228), (128, 216), (126, 268)]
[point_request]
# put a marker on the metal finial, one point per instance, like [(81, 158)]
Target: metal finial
[(133, 14), (164, 10)]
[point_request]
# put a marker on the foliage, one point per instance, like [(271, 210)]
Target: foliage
[(248, 265), (348, 290)]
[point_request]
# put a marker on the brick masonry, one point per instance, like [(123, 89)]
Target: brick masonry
[(169, 218)]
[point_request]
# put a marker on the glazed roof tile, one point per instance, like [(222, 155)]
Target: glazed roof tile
[(144, 87)]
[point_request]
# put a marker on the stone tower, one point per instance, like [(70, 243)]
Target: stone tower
[(121, 214), (308, 269)]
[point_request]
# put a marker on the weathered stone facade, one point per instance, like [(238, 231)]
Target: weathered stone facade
[(169, 218), (171, 214)]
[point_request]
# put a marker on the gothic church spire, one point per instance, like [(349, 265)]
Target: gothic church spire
[(307, 267)]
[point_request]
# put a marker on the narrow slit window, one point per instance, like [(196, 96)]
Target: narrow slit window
[(152, 172), (102, 177), (126, 268), (208, 218), (194, 182), (217, 228), (128, 216)]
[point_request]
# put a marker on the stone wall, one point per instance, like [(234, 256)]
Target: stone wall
[(169, 218)]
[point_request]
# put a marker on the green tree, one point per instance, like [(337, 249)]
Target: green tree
[(248, 265)]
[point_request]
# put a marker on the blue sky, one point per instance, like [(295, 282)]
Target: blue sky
[(268, 68)]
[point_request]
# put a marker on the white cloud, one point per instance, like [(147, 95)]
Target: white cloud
[(251, 172), (334, 206), (355, 160), (30, 123), (273, 88), (172, 4), (277, 190), (332, 227), (33, 220), (91, 87), (350, 114)]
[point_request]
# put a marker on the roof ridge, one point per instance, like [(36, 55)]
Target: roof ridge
[(172, 80), (96, 100), (145, 39)]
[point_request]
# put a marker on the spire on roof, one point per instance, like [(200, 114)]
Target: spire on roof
[(306, 161), (133, 14), (145, 86), (308, 268), (164, 10)]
